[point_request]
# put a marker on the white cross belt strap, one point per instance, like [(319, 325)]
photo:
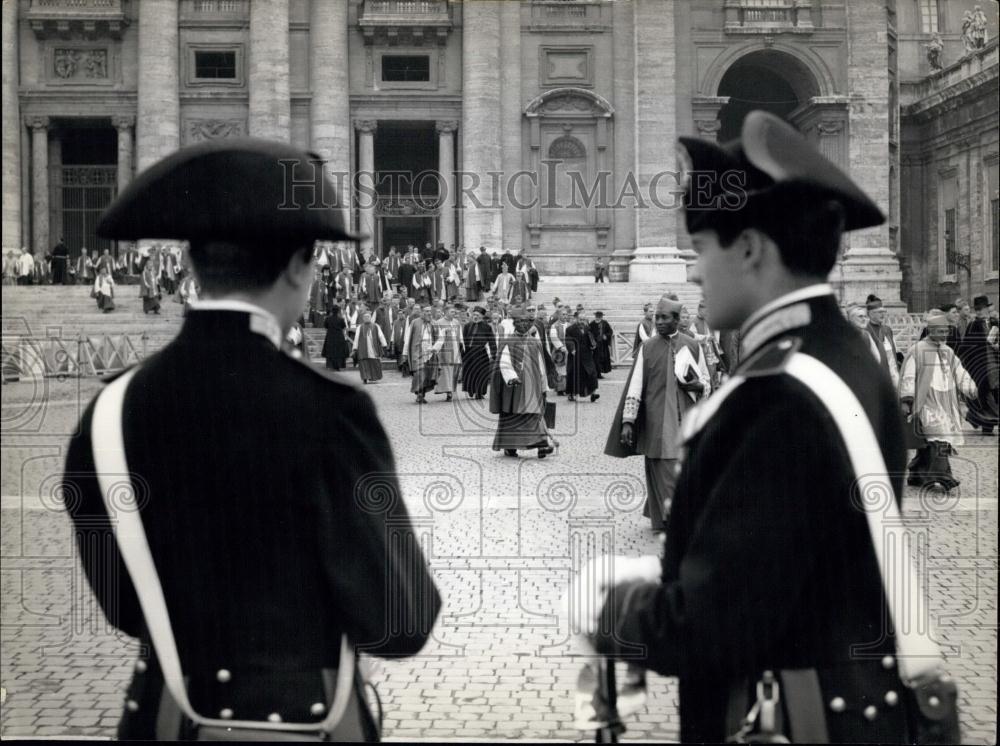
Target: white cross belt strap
[(916, 650), (109, 460)]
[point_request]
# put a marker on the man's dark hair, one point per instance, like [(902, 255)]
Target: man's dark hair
[(807, 230), (225, 267)]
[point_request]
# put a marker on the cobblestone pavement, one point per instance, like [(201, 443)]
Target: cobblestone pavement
[(502, 536)]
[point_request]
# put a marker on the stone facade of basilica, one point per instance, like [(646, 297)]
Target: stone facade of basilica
[(541, 125)]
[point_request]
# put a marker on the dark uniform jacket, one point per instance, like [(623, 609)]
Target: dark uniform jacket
[(768, 561), (273, 516)]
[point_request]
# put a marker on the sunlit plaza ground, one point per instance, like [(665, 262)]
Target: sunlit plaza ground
[(501, 536)]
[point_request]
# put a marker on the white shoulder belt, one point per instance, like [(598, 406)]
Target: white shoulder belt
[(109, 459)]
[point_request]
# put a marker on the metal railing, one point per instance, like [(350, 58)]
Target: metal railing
[(38, 357)]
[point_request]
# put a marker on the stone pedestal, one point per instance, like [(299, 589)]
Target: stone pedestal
[(39, 185), (11, 132), (656, 257), (157, 127), (330, 111), (481, 121), (270, 101), (366, 180), (124, 126), (446, 167)]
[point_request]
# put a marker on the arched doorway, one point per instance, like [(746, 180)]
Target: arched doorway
[(766, 79)]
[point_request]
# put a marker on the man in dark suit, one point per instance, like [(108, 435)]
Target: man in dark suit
[(770, 566), (485, 270), (256, 474)]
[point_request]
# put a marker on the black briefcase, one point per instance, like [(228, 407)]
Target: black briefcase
[(550, 414)]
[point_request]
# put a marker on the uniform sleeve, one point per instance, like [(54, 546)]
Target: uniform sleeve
[(745, 568), (371, 552), (94, 535)]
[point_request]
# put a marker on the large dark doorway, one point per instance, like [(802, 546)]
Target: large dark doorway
[(407, 201), (88, 183), (773, 81), (406, 231)]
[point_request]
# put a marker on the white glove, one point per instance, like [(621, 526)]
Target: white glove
[(583, 603)]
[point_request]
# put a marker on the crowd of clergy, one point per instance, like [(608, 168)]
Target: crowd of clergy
[(465, 328)]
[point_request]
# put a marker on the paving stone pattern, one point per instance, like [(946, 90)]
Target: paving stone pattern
[(502, 536)]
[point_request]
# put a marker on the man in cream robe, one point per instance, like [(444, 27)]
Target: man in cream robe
[(418, 351), (931, 380), (668, 377)]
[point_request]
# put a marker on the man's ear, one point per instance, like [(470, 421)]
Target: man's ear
[(754, 247), (300, 269)]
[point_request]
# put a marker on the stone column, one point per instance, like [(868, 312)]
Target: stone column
[(481, 122), (656, 258), (446, 167), (124, 125), (366, 179), (11, 132), (330, 111), (270, 100), (869, 266), (39, 184), (512, 115), (157, 126)]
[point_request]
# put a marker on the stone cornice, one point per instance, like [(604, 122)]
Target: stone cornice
[(961, 93)]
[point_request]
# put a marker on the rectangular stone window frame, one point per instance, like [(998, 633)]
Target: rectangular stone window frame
[(190, 73), (432, 53), (547, 81), (54, 80), (928, 10), (947, 213), (991, 218)]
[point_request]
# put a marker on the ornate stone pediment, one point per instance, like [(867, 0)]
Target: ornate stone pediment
[(574, 102), (214, 129)]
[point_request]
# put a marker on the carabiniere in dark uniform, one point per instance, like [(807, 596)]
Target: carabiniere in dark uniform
[(267, 486), (769, 563)]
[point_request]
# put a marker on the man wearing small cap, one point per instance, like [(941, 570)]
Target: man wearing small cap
[(931, 380), (668, 377), (518, 390), (881, 334), (262, 535), (769, 565)]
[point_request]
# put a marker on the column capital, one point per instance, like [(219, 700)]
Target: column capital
[(366, 126), (123, 121), (708, 127), (37, 123), (446, 125), (829, 127)]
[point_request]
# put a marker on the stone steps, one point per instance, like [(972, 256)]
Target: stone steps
[(70, 312)]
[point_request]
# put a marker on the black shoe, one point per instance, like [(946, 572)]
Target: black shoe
[(510, 452), (594, 397), (570, 398), (448, 398), (543, 452)]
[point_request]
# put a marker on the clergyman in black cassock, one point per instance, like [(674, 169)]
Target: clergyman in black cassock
[(266, 485), (605, 337), (769, 561), (581, 369), (480, 351)]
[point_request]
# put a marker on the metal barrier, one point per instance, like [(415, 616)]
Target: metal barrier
[(34, 357)]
